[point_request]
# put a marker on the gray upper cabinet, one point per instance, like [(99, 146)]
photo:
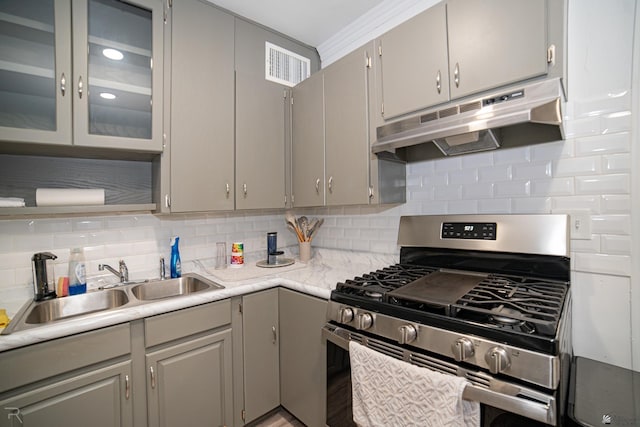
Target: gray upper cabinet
[(413, 63), (457, 48), (111, 86), (261, 107), (346, 112), (307, 136), (35, 71), (201, 108), (495, 42)]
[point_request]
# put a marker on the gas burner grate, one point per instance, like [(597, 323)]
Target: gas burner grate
[(524, 304), (376, 284)]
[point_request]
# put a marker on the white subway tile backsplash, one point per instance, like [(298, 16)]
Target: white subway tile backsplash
[(614, 203), (617, 163), (617, 265), (616, 245), (512, 189), (477, 160), (462, 207), (531, 205), (552, 150), (465, 176), (553, 187), (611, 224), (449, 192), (491, 206), (448, 164), (495, 174), (603, 144), (602, 184), (573, 203), (512, 156), (592, 245), (532, 171), (577, 166), (477, 191)]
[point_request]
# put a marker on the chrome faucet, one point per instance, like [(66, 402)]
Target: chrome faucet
[(123, 273)]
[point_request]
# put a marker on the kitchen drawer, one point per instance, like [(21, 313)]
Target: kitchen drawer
[(178, 324), (39, 361)]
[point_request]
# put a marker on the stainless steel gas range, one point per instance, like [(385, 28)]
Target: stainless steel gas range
[(485, 297)]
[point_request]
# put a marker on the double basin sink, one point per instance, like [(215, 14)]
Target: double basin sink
[(39, 313)]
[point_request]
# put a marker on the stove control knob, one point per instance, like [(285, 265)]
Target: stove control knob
[(462, 349), (408, 334), (345, 315), (364, 321), (498, 360)]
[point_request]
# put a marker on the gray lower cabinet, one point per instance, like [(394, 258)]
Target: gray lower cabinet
[(188, 364), (200, 122), (75, 381), (261, 349), (303, 357)]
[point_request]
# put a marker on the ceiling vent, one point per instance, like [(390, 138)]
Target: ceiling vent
[(285, 67)]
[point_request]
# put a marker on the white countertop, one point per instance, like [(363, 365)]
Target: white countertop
[(317, 277)]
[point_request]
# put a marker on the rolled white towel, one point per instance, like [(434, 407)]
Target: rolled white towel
[(11, 202), (69, 196)]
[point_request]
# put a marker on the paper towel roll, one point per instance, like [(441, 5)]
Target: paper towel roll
[(69, 196)]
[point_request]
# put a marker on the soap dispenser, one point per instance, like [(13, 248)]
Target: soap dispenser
[(43, 281)]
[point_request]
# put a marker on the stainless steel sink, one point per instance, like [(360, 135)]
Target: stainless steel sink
[(159, 289), (34, 314), (77, 305)]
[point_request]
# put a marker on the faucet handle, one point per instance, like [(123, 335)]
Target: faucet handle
[(124, 271)]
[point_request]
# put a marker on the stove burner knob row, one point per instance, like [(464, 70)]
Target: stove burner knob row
[(408, 334), (364, 321), (497, 359), (345, 315), (462, 349)]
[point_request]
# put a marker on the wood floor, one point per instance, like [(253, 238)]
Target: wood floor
[(278, 418)]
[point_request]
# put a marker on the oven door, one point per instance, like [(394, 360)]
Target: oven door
[(503, 404)]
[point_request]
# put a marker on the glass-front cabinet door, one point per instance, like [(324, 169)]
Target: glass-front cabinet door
[(109, 95), (35, 71), (118, 74)]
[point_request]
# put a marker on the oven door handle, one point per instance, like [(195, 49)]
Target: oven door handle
[(330, 336)]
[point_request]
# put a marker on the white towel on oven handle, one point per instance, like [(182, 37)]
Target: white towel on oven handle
[(390, 392)]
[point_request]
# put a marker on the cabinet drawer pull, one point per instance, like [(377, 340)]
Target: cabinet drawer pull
[(330, 184), (275, 335), (318, 186), (438, 82), (152, 374), (244, 189), (127, 387), (80, 86), (456, 75), (63, 84), (227, 188)]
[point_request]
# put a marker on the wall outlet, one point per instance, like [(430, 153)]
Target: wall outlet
[(580, 225)]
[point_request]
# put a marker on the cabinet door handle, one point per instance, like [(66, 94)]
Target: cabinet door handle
[(63, 84), (228, 189), (438, 82), (80, 86), (167, 201), (456, 75), (152, 374), (318, 186), (275, 334), (330, 184), (127, 387), (244, 189)]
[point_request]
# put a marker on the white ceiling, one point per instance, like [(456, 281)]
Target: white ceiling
[(310, 21)]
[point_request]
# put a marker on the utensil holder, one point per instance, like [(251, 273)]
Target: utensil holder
[(305, 251)]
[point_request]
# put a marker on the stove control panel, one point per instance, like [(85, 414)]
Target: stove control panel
[(469, 230)]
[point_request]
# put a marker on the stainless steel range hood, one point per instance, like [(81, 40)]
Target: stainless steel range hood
[(524, 115)]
